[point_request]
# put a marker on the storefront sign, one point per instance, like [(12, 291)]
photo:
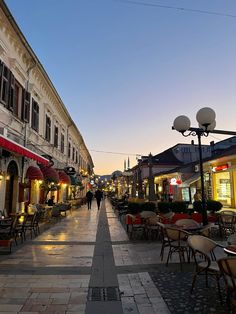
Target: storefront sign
[(175, 181), (220, 168)]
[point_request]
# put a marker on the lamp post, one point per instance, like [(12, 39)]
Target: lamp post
[(206, 121), (151, 192)]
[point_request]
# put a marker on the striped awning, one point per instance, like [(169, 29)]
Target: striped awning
[(63, 177), (34, 173)]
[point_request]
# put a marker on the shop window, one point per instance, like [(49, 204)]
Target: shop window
[(35, 115), (55, 136), (223, 188), (48, 129)]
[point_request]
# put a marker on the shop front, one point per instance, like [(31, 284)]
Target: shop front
[(223, 179)]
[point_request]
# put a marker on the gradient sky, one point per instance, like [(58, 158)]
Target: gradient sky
[(126, 70)]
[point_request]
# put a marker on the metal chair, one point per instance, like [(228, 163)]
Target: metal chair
[(187, 222), (177, 243), (205, 259), (227, 267), (134, 224), (227, 223)]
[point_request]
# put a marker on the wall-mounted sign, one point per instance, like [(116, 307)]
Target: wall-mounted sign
[(174, 181), (220, 168)]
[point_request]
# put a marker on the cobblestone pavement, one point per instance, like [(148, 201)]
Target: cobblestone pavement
[(55, 272)]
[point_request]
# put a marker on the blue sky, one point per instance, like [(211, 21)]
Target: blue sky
[(125, 70)]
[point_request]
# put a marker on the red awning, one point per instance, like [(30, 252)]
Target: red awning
[(50, 174), (63, 177), (34, 173), (12, 146)]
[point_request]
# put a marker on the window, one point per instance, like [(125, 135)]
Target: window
[(25, 109), (12, 99), (76, 156), (4, 84), (69, 149), (55, 136), (62, 143), (35, 115), (73, 154), (48, 129), (17, 95)]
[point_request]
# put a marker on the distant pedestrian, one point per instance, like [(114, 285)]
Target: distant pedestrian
[(98, 196), (89, 196)]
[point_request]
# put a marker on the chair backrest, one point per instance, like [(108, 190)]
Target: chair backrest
[(147, 214), (175, 234), (227, 212), (201, 244), (232, 239), (227, 219), (153, 220), (227, 267), (187, 222)]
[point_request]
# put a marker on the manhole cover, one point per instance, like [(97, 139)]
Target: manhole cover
[(104, 294)]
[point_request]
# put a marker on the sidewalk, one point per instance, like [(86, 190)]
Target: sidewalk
[(82, 263)]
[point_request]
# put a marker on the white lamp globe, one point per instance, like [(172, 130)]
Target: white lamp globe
[(205, 116), (210, 127), (181, 123)]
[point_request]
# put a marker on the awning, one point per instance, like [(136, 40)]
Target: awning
[(50, 174), (12, 146), (63, 177), (34, 173), (191, 180)]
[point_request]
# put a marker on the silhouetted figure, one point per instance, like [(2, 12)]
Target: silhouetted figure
[(98, 196), (51, 201), (89, 196)]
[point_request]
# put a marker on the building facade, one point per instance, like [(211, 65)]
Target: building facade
[(39, 141)]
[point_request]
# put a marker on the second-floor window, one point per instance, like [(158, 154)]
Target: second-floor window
[(4, 83), (73, 154), (69, 149), (35, 116), (55, 136), (48, 129), (62, 142), (25, 108)]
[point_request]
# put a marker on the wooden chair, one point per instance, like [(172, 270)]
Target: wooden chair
[(205, 260), (227, 267)]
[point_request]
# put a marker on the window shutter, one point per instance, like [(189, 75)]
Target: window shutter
[(25, 113), (11, 97)]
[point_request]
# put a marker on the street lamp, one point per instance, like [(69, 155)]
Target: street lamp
[(206, 121)]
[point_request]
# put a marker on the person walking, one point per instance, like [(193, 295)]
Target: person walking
[(89, 196), (98, 196)]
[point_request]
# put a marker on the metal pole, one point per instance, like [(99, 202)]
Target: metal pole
[(204, 210)]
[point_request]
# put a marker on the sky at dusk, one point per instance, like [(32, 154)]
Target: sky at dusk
[(126, 69)]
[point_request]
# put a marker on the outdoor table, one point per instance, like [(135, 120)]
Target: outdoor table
[(191, 229), (230, 250)]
